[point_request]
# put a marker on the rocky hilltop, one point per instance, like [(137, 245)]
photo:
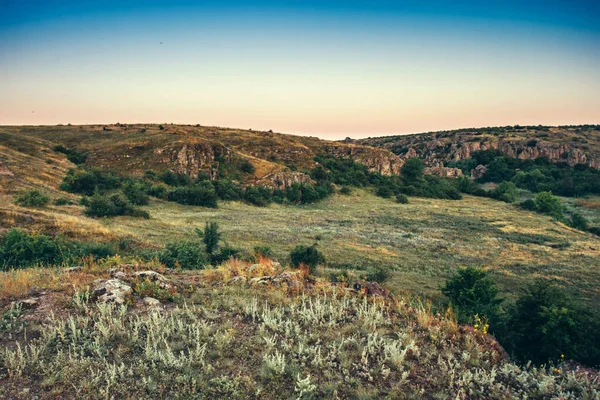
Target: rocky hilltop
[(570, 144), (275, 159)]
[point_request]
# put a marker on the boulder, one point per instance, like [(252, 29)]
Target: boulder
[(155, 277), (30, 303), (237, 280), (112, 291), (151, 302), (74, 269)]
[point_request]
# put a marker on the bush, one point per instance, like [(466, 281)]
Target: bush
[(62, 201), (345, 190), (308, 255), (377, 275), (413, 169), (136, 192), (224, 254), (227, 190), (578, 221), (19, 248), (112, 206), (506, 192), (173, 179), (202, 194), (472, 292), (185, 254), (89, 181), (545, 324), (401, 198), (528, 205), (72, 155), (263, 251), (210, 237), (247, 167), (595, 230), (32, 198), (546, 203)]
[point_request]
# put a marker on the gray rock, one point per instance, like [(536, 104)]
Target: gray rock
[(30, 303), (112, 291), (74, 269), (153, 276), (237, 280), (151, 302), (119, 275)]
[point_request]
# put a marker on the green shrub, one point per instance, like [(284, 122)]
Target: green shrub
[(72, 155), (19, 248), (224, 254), (472, 292), (89, 181), (377, 275), (528, 205), (32, 198), (546, 324), (112, 205), (413, 169), (227, 190), (345, 190), (247, 167), (578, 221), (595, 230), (185, 254), (136, 192), (506, 192), (173, 179), (546, 203), (210, 237), (201, 194), (308, 255), (263, 251), (401, 198), (62, 201)]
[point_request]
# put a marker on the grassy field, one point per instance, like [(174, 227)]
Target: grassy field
[(421, 243)]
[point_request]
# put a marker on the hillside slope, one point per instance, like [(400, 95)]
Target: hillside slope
[(27, 157), (570, 144)]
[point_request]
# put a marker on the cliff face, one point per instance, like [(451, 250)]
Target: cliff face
[(377, 160), (573, 145)]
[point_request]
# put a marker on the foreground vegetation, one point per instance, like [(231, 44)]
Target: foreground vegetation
[(304, 338)]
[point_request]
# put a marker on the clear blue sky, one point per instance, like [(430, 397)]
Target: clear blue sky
[(327, 68)]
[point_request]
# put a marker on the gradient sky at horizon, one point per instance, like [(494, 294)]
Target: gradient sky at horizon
[(326, 68)]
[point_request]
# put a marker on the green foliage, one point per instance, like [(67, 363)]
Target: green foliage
[(413, 169), (19, 248), (472, 292), (345, 190), (545, 324), (210, 237), (377, 275), (62, 201), (112, 205), (263, 251), (506, 192), (72, 155), (136, 192), (201, 194), (401, 198), (173, 179), (578, 221), (546, 203), (227, 190), (88, 181), (528, 204), (184, 254), (308, 255), (247, 167), (32, 198)]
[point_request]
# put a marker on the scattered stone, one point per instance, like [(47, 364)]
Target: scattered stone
[(151, 302), (74, 269), (111, 291), (236, 280), (30, 303), (154, 276), (119, 275), (261, 280)]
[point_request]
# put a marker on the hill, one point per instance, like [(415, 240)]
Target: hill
[(28, 157), (570, 144)]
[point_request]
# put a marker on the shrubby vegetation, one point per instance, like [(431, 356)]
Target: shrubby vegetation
[(73, 155), (19, 249), (537, 175), (32, 198), (543, 325), (112, 205), (307, 255)]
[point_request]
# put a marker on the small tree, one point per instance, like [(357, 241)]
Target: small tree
[(210, 236), (308, 255), (578, 221), (472, 292), (506, 191), (548, 204), (413, 169), (32, 198)]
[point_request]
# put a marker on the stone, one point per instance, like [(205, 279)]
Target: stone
[(30, 303), (73, 269), (119, 275), (155, 277), (237, 280), (151, 302), (112, 291)]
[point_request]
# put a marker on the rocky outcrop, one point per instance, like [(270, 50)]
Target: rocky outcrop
[(573, 145), (377, 160), (444, 172), (193, 158), (111, 291), (478, 171), (283, 180)]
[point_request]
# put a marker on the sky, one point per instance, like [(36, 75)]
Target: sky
[(323, 68)]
